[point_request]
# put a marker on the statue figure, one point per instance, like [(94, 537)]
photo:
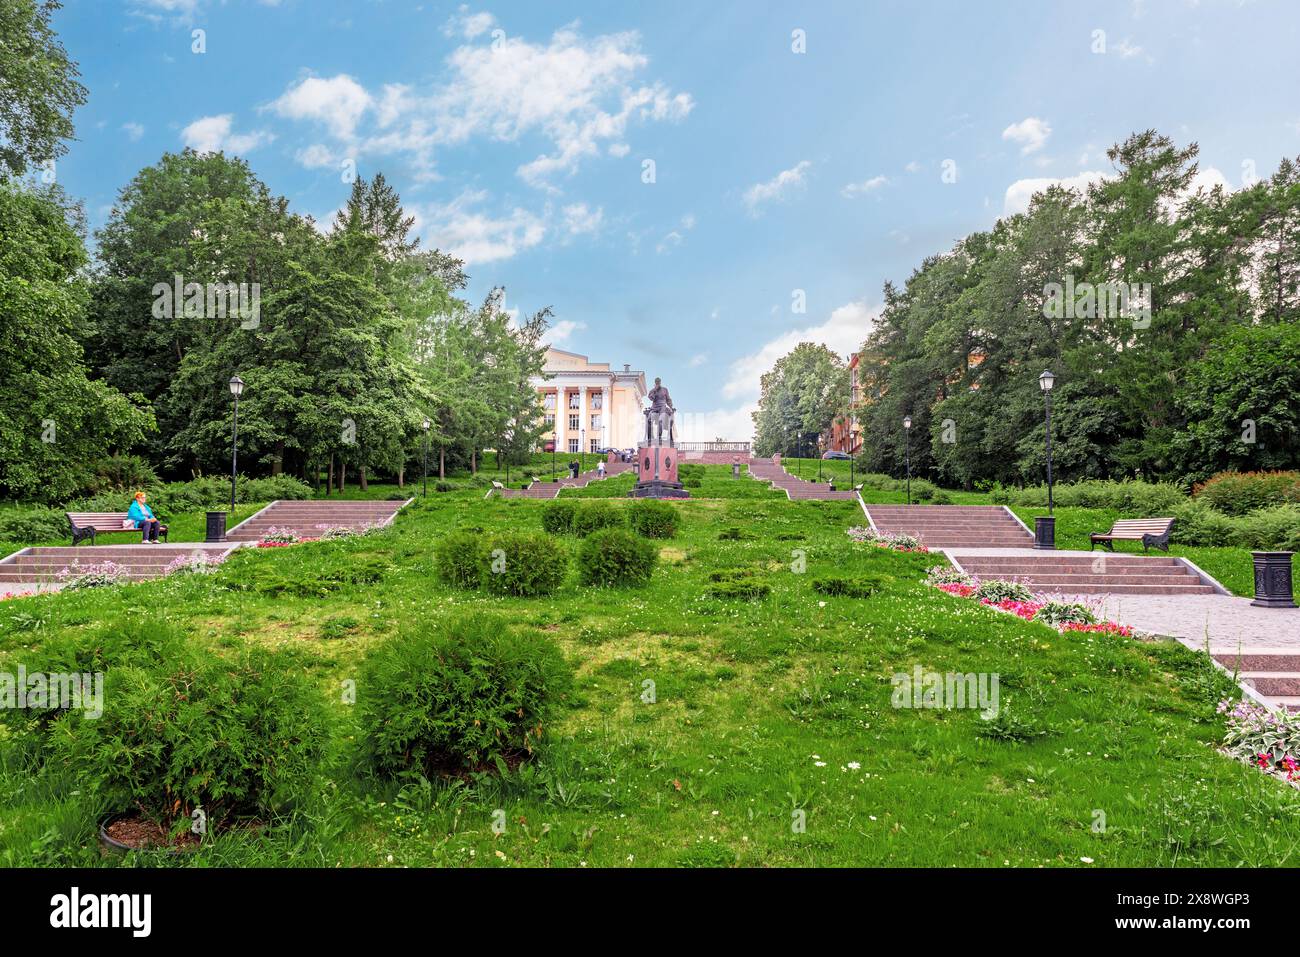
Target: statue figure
[(659, 417)]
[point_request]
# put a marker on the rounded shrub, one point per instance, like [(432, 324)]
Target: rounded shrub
[(523, 564), (235, 737), (557, 516), (612, 557), (862, 586), (652, 519), (458, 695), (995, 590), (458, 559), (1236, 493), (593, 516)]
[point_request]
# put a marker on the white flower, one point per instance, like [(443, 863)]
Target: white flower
[(854, 765), (820, 764), (1086, 860)]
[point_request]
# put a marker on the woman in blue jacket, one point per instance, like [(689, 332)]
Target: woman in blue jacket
[(144, 518)]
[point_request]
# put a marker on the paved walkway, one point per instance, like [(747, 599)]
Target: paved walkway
[(552, 489)]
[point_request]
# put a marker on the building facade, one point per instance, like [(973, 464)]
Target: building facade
[(846, 431), (587, 405)]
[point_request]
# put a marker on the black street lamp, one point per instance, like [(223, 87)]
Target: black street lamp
[(1045, 528), (236, 389), (425, 425), (907, 453)]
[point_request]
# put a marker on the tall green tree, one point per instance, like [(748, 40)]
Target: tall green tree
[(39, 87)]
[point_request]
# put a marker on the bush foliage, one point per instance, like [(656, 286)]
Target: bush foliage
[(1236, 493), (613, 557), (652, 519), (458, 695), (523, 564)]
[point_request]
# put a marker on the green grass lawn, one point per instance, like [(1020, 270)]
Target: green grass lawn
[(765, 711)]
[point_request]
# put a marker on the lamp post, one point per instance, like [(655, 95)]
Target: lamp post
[(1045, 528), (582, 451), (425, 425), (907, 453), (236, 389)]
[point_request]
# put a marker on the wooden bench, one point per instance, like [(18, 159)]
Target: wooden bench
[(1148, 531), (86, 524)]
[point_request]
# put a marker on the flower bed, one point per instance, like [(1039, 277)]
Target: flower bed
[(1015, 598), (895, 543), (1269, 740)]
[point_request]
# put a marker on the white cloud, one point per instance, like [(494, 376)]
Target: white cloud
[(670, 241), (579, 93), (133, 131), (776, 188), (698, 360), (316, 156), (579, 218), (1031, 133), (459, 229), (338, 102), (853, 190), (563, 330), (1021, 191), (913, 167), (469, 25), (1127, 50), (842, 332), (212, 134)]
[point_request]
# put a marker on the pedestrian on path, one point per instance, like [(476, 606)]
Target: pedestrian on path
[(600, 469)]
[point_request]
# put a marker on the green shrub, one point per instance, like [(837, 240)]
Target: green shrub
[(1197, 523), (38, 525), (940, 497), (557, 516), (737, 583), (612, 557), (592, 516), (458, 559), (523, 564), (1130, 496), (691, 474), (922, 490), (863, 586), (1058, 613), (235, 737), (1267, 528), (123, 473), (995, 591), (1237, 493), (458, 695), (652, 519), (734, 533)]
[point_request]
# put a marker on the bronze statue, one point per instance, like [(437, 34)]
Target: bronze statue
[(660, 415)]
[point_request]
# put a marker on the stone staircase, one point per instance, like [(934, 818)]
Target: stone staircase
[(305, 518), (952, 526), (1087, 574), (1275, 677), (796, 488), (33, 568), (552, 489)]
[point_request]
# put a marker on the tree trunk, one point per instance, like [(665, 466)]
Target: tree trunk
[(277, 464), (343, 476), (442, 463), (361, 478), (473, 462), (401, 476), (329, 477)]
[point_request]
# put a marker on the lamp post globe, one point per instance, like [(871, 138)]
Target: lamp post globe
[(236, 389)]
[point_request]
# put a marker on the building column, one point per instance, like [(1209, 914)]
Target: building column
[(561, 420), (606, 410), (584, 422)]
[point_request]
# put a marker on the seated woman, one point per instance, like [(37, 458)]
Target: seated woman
[(144, 519)]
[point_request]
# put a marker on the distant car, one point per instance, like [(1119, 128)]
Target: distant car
[(839, 456), (548, 445)]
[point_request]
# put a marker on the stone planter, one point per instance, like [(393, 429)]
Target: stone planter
[(1044, 532), (1273, 580), (216, 529)]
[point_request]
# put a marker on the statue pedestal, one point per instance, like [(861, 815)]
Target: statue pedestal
[(657, 473)]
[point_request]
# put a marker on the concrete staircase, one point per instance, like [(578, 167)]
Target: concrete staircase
[(952, 526), (1065, 573), (305, 518), (796, 488), (1275, 677), (34, 568), (552, 489)]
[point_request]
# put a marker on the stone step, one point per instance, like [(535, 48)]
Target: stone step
[(970, 562), (1060, 581), (1259, 663), (1124, 589), (1273, 685)]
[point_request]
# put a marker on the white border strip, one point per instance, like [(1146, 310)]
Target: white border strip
[(1204, 577), (230, 531), (1016, 519)]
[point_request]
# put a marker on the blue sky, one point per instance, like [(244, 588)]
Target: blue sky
[(518, 134)]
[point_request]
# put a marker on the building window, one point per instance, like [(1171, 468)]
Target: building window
[(595, 422), (596, 400), (573, 446), (575, 400), (595, 444), (574, 424), (550, 422), (548, 401)]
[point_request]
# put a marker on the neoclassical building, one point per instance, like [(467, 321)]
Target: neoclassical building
[(587, 405)]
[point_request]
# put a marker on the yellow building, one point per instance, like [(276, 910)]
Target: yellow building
[(588, 406)]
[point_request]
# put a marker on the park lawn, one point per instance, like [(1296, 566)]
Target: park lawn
[(762, 710)]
